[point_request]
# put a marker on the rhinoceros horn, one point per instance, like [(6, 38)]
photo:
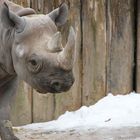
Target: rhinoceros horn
[(66, 56), (10, 19), (54, 44)]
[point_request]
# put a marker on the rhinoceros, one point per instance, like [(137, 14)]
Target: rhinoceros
[(31, 50)]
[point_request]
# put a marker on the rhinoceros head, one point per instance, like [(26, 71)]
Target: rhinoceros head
[(37, 53)]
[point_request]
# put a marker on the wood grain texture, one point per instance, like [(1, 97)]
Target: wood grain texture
[(138, 49), (120, 46), (21, 112), (24, 3), (94, 51), (43, 107)]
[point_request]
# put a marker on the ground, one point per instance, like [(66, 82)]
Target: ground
[(111, 118), (124, 133)]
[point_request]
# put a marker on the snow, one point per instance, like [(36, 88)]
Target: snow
[(110, 111)]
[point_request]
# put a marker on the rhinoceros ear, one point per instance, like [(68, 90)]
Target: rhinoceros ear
[(59, 15), (9, 19)]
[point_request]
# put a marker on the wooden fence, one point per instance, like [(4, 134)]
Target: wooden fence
[(107, 57)]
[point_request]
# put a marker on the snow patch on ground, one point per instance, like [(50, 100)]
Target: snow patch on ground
[(110, 111)]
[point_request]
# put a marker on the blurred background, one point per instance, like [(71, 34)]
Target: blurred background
[(107, 58)]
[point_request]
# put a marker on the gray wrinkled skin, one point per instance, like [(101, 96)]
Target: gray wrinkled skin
[(31, 50)]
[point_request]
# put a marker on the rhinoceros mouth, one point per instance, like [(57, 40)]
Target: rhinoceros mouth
[(51, 90), (41, 91)]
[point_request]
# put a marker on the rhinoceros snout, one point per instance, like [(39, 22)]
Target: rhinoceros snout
[(55, 85)]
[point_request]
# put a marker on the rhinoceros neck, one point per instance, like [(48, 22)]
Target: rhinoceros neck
[(6, 65), (6, 41), (7, 72)]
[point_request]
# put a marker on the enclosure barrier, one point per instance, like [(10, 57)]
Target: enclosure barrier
[(107, 57)]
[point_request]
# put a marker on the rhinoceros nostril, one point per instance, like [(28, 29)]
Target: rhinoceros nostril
[(56, 85)]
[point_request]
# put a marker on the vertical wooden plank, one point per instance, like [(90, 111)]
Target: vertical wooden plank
[(33, 4), (71, 100), (43, 107), (29, 3), (24, 2), (48, 6), (120, 46), (138, 49), (21, 112), (94, 51), (21, 2), (40, 5)]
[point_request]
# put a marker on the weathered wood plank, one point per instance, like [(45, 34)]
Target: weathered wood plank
[(42, 6), (120, 46), (21, 2), (21, 112), (43, 107), (138, 50), (94, 51)]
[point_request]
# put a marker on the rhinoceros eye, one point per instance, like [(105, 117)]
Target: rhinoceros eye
[(34, 64)]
